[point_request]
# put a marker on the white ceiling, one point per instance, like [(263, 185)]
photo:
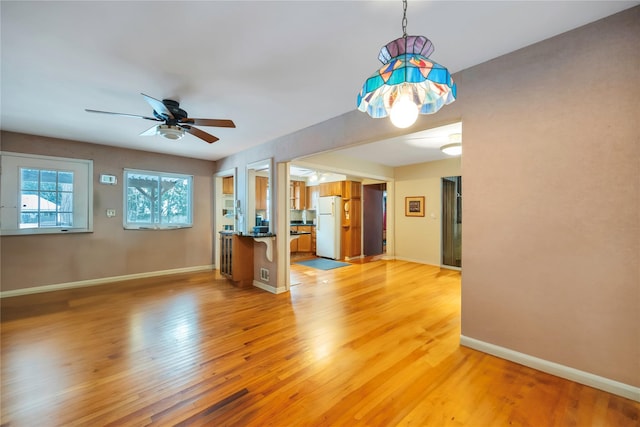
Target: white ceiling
[(272, 67)]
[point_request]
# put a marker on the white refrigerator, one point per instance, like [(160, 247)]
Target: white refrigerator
[(328, 227)]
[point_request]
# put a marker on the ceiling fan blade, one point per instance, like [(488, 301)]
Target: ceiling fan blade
[(200, 134), (158, 106), (152, 131), (221, 123), (122, 114)]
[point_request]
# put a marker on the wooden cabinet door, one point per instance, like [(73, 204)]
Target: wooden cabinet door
[(261, 192), (301, 195), (331, 189), (313, 192), (304, 241), (227, 185)]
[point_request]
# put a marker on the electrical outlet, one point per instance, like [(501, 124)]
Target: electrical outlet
[(264, 274), (111, 213)]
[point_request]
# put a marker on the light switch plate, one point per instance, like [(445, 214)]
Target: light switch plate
[(108, 179)]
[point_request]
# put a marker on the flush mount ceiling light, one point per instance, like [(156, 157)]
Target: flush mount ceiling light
[(408, 83), (454, 148), (170, 132)]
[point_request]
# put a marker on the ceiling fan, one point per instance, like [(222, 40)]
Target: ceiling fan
[(175, 121)]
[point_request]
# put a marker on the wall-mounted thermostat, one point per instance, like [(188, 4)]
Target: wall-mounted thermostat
[(108, 179)]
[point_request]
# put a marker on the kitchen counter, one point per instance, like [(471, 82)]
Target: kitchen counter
[(300, 223), (299, 233), (242, 234)]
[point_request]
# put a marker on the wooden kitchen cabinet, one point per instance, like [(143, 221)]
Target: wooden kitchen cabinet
[(305, 242), (298, 195), (262, 183), (313, 192), (351, 219), (236, 258), (331, 189), (352, 190), (227, 185)]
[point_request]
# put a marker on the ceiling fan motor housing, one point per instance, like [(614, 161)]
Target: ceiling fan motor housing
[(174, 107)]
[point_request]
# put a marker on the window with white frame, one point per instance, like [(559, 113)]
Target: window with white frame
[(44, 195), (157, 200)]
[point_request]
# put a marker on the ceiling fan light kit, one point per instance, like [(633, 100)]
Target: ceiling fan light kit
[(170, 132), (175, 121), (409, 83)]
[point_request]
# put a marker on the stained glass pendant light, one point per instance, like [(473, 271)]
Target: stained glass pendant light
[(409, 83)]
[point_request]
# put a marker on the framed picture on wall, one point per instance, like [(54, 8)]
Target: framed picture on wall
[(414, 206)]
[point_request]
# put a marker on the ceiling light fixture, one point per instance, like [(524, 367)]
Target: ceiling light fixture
[(454, 148), (171, 132), (408, 83)]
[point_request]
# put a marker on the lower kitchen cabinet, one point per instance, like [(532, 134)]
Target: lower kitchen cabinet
[(306, 242), (236, 258)]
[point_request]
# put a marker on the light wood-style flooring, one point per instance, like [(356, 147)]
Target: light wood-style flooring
[(370, 344)]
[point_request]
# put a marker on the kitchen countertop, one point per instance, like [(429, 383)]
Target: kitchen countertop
[(242, 234), (296, 224)]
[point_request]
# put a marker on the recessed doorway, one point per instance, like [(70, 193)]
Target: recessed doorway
[(452, 221)]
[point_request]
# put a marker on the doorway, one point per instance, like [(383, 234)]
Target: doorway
[(374, 219), (452, 221)]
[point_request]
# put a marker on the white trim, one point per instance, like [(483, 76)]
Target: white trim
[(102, 281), (268, 288), (10, 206), (582, 377)]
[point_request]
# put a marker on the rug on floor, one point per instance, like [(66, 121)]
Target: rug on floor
[(323, 263)]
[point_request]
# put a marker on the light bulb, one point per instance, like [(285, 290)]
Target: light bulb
[(404, 112)]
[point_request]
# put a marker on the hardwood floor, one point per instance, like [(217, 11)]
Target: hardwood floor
[(372, 344)]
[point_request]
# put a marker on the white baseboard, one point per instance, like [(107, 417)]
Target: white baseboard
[(268, 288), (586, 378), (102, 281)]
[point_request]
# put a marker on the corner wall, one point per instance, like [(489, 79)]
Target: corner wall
[(110, 251)]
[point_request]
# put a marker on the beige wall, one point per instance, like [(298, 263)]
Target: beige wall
[(551, 209), (418, 239), (38, 260)]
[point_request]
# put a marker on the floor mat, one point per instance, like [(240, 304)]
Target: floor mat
[(323, 263)]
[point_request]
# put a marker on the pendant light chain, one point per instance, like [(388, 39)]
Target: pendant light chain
[(404, 18), (404, 35)]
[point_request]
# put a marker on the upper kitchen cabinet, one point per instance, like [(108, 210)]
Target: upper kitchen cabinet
[(298, 195), (262, 186), (313, 192), (331, 188), (227, 185)]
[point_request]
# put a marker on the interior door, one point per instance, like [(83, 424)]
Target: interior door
[(373, 219)]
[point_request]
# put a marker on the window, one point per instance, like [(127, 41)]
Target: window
[(157, 200), (42, 194)]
